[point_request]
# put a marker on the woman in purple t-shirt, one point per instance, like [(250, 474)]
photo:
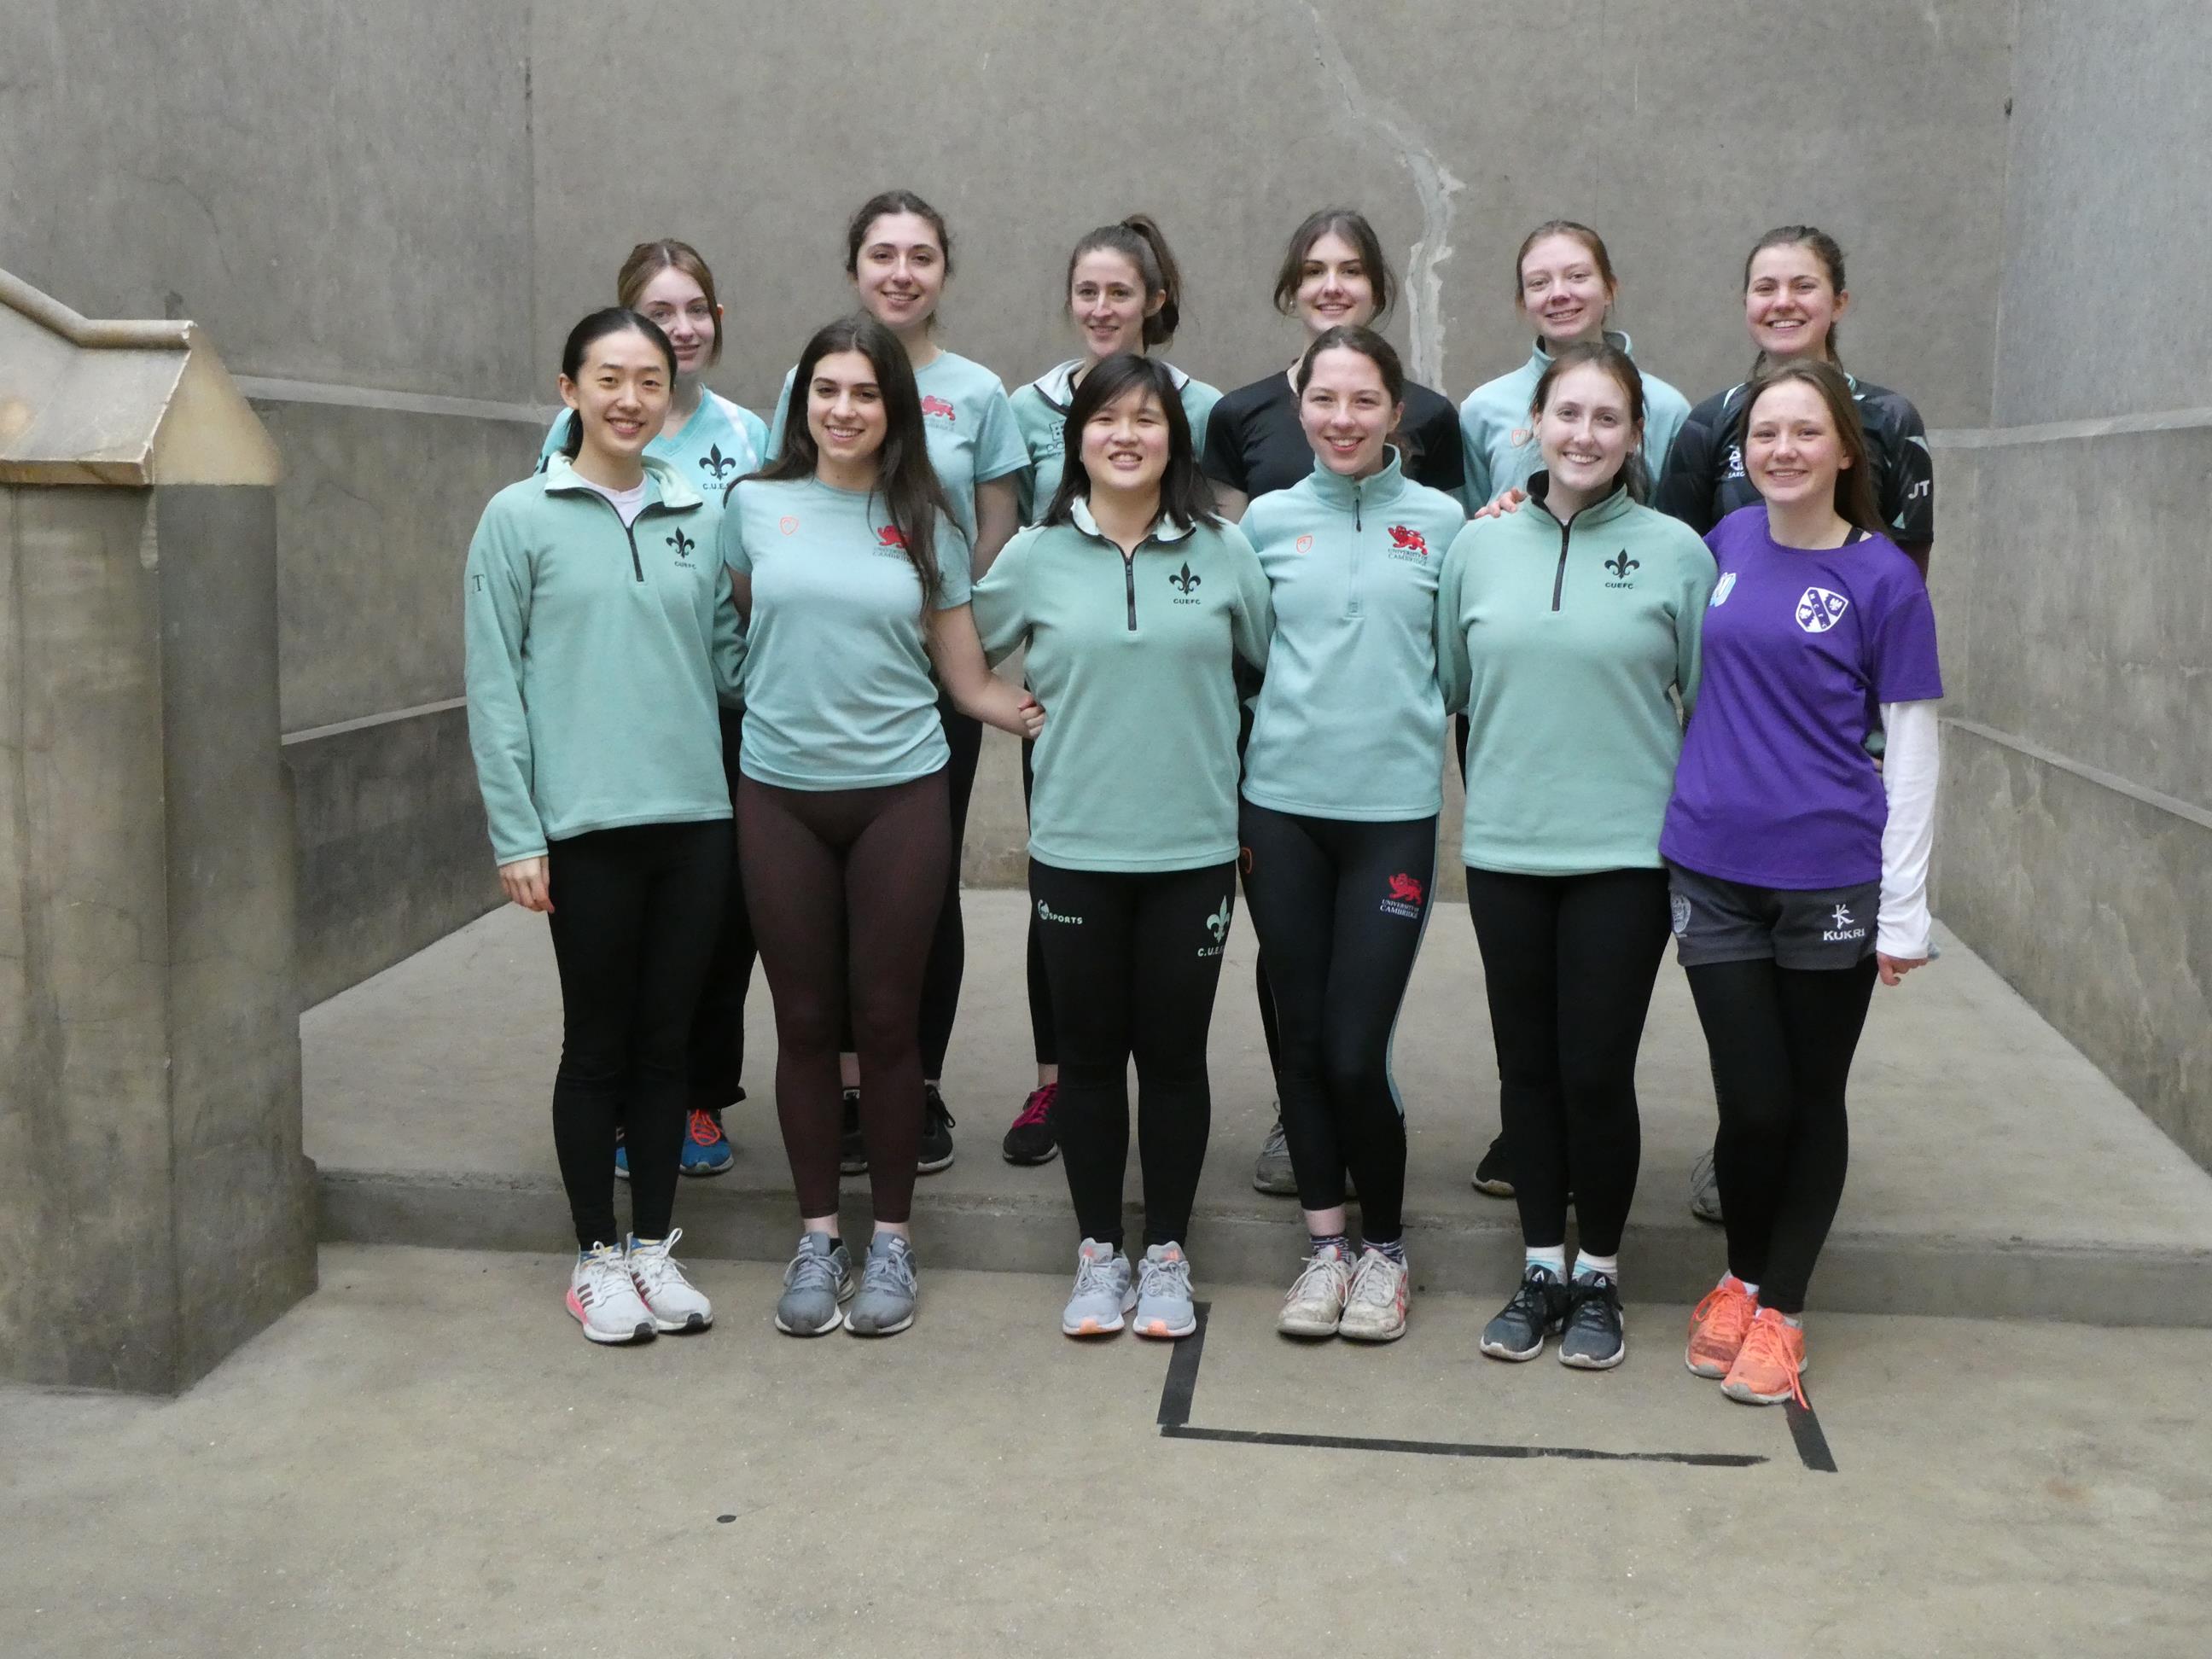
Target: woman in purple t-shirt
[(1798, 868)]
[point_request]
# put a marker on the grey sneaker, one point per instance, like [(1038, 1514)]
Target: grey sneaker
[(1375, 1310), (885, 1304), (817, 1279), (1164, 1308), (1593, 1339), (1272, 1173), (1534, 1314), (1705, 1188), (1103, 1292)]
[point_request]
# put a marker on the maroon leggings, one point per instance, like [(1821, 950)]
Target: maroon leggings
[(834, 877)]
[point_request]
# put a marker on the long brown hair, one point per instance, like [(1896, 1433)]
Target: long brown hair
[(648, 260), (1823, 247), (904, 478), (1633, 475), (1856, 502), (1351, 224)]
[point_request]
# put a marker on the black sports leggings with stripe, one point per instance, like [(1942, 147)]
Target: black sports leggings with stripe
[(1781, 1040), (1339, 908), (832, 877), (1133, 960)]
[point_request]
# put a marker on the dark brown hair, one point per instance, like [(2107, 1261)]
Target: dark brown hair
[(648, 260), (1856, 502), (1824, 247), (1350, 337), (613, 319), (1580, 233), (1140, 241), (1351, 224), (904, 478), (1185, 495), (1633, 477), (892, 201)]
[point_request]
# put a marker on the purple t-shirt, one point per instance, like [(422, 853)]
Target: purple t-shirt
[(1801, 646)]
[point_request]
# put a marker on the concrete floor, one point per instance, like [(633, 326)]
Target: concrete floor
[(425, 1458), (1989, 1157)]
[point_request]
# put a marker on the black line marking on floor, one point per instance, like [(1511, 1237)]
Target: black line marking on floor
[(1456, 1448), (1805, 1429), (1181, 1387), (1183, 1375)]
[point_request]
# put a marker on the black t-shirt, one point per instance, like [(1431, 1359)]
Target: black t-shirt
[(1704, 480), (1254, 442)]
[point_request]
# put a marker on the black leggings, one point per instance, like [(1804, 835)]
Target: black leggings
[(1339, 908), (1044, 1037), (1133, 960), (835, 876), (718, 1030), (635, 914), (1569, 962), (1781, 1040)]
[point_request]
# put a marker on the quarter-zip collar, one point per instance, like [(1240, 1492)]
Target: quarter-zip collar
[(1164, 528), (1355, 496), (1540, 358), (1540, 486), (1057, 386), (665, 485)]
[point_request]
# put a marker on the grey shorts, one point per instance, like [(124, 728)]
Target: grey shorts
[(1716, 921)]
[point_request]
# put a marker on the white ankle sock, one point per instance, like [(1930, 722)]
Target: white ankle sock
[(1586, 1264), (1553, 1256)]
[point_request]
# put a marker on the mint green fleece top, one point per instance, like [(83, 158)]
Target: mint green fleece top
[(1134, 658), (595, 652), (1041, 415), (1562, 643), (720, 444), (1501, 447), (1350, 722), (836, 678)]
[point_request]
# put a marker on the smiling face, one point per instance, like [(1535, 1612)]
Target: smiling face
[(845, 412), (1789, 304), (675, 301), (1586, 429), (900, 271), (1107, 299), (1346, 412), (1125, 443), (1563, 291), (1334, 286), (1791, 449), (620, 394)]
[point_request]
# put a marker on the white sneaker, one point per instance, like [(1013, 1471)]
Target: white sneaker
[(1375, 1310), (605, 1300), (1315, 1302), (668, 1295), (1104, 1293)]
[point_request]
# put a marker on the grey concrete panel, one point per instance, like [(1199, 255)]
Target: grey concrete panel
[(373, 520), (241, 1200), (392, 850), (2105, 197), (1675, 136), (2098, 909), (340, 192), (2071, 600)]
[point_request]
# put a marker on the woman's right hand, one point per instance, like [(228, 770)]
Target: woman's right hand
[(526, 885), (1505, 500)]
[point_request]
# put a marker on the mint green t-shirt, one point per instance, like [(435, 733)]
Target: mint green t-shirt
[(1041, 413), (1349, 723), (1562, 643), (836, 674), (1501, 449), (720, 444), (968, 424), (1134, 660)]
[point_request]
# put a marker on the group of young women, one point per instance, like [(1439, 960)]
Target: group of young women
[(1694, 664)]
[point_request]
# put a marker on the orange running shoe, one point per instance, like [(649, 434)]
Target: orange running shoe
[(1766, 1372), (1718, 1326)]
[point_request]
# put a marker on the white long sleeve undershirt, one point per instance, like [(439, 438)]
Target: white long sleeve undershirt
[(1909, 770)]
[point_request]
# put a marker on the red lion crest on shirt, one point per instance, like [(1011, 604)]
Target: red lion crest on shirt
[(1410, 541), (890, 536)]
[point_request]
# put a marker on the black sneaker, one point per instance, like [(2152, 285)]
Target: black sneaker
[(1028, 1140), (1591, 1338), (852, 1150), (936, 1132), (1535, 1313), (1490, 1175)]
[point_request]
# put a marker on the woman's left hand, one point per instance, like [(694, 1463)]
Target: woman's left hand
[(1894, 969), (1032, 714)]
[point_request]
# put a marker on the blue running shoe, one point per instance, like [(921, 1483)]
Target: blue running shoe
[(706, 1149)]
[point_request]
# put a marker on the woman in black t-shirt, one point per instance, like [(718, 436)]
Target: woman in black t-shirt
[(1332, 273)]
